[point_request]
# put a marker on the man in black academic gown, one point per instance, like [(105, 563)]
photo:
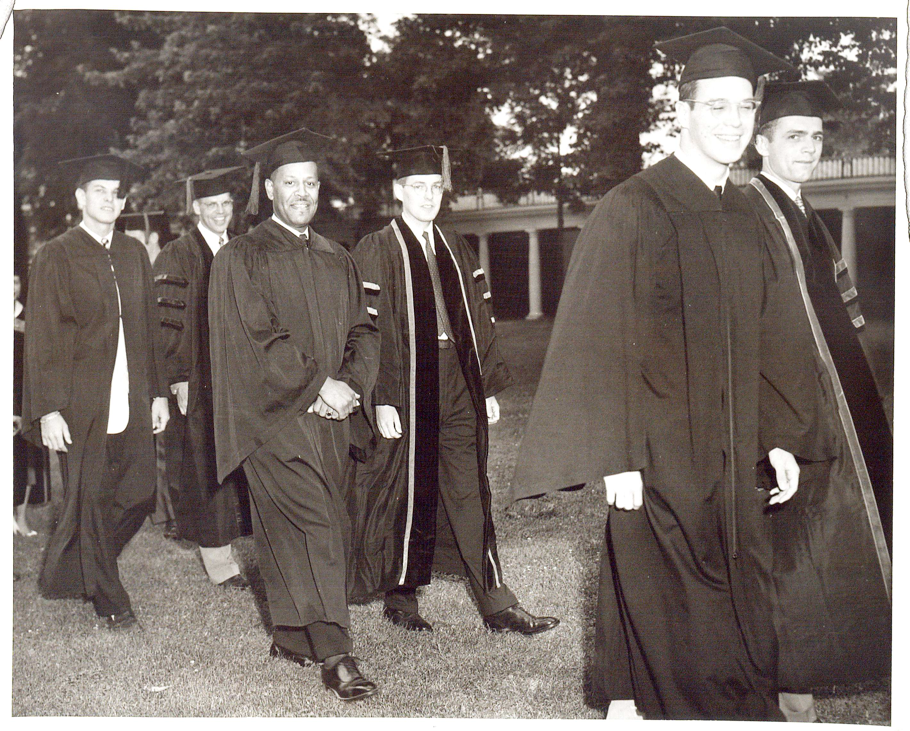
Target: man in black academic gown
[(93, 371), (294, 356), (658, 384), (423, 497), (831, 545), (206, 511)]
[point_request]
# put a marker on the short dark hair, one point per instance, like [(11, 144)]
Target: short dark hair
[(767, 129), (688, 90)]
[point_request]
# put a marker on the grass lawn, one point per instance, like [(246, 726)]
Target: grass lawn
[(204, 651)]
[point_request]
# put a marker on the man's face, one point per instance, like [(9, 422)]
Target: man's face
[(294, 192), (718, 135), (100, 201), (794, 148), (420, 196), (215, 212)]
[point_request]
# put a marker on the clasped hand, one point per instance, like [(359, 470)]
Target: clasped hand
[(336, 400)]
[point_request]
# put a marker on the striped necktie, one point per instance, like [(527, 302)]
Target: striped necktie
[(800, 204), (443, 326)]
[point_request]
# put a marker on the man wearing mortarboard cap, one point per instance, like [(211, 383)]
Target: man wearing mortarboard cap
[(294, 357), (206, 511), (93, 371), (657, 386), (833, 538), (422, 498), (150, 228)]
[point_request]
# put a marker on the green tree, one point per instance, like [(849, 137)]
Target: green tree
[(57, 112)]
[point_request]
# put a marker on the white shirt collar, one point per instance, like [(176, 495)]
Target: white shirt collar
[(99, 239), (418, 228), (781, 183), (291, 228), (211, 238), (693, 165)]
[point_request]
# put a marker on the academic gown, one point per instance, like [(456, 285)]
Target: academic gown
[(284, 316), (206, 512), (832, 567), (656, 363), (400, 529), (72, 332)]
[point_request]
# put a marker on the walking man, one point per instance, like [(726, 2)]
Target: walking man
[(206, 511), (94, 388), (423, 497), (294, 355)]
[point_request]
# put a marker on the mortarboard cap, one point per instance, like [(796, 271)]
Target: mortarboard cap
[(719, 52), (148, 221), (103, 167), (796, 99), (209, 183), (301, 145), (423, 160)]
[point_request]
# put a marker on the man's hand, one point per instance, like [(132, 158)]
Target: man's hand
[(321, 408), (388, 421), (492, 410), (624, 490), (55, 432), (17, 424), (339, 397), (182, 392), (161, 414), (787, 472)]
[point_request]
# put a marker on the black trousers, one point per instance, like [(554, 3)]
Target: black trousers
[(459, 489)]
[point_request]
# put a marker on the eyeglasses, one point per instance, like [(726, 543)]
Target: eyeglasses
[(720, 107), (212, 205), (421, 188)]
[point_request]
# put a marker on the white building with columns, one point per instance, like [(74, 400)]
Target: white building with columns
[(524, 262)]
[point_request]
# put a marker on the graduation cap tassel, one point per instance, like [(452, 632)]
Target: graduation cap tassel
[(252, 206), (446, 169), (760, 88), (148, 227), (189, 196)]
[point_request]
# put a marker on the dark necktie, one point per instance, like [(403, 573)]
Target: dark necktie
[(719, 192), (443, 327)]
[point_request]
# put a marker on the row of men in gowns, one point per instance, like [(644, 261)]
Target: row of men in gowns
[(700, 368), (728, 411)]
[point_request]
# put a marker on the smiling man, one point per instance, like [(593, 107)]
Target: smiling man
[(206, 510), (423, 497), (832, 541), (662, 384), (94, 388), (294, 355)]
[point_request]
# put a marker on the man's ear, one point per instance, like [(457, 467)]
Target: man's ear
[(397, 192), (80, 198), (196, 208), (683, 110), (269, 189), (762, 145)]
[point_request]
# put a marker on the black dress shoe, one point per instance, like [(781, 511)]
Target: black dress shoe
[(407, 620), (237, 581), (516, 619), (125, 620), (285, 654), (345, 680)]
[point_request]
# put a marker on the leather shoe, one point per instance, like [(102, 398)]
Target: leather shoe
[(286, 654), (345, 680), (125, 620), (237, 581), (516, 619), (411, 621)]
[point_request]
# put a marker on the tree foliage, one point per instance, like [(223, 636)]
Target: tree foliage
[(553, 104)]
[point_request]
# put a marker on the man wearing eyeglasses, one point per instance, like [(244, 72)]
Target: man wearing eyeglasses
[(665, 381), (422, 499), (206, 512)]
